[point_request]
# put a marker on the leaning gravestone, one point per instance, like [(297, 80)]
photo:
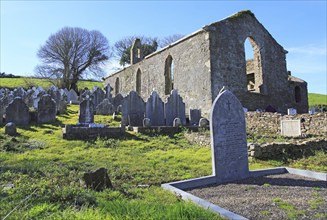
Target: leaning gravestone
[(46, 111), (133, 110), (154, 110), (228, 138), (86, 111), (175, 108), (291, 128), (17, 112)]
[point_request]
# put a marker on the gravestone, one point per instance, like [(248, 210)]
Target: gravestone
[(174, 108), (291, 128), (117, 101), (154, 110), (72, 96), (46, 111), (97, 180), (86, 111), (10, 129), (19, 92), (291, 111), (177, 122), (146, 122), (105, 108), (133, 110), (195, 116), (108, 89), (98, 96), (3, 106), (203, 123), (17, 112), (228, 138)]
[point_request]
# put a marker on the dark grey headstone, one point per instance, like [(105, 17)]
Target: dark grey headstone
[(72, 96), (133, 110), (98, 96), (174, 108), (154, 110), (195, 116), (86, 112), (117, 101), (228, 138), (46, 111), (177, 122), (10, 129), (97, 180), (105, 108), (17, 112)]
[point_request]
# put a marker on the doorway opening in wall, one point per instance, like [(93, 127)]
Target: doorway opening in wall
[(138, 81), (169, 75), (253, 65), (297, 92), (117, 86)]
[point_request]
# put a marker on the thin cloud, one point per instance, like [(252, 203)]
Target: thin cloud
[(309, 50)]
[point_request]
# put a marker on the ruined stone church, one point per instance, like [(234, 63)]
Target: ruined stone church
[(202, 63)]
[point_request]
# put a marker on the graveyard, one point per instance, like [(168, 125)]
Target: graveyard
[(42, 172)]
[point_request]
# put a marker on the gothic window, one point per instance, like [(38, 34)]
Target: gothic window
[(297, 92), (138, 81), (117, 86), (169, 75)]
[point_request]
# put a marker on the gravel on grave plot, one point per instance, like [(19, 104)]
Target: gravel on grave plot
[(253, 197)]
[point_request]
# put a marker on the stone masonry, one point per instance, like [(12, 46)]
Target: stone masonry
[(200, 64)]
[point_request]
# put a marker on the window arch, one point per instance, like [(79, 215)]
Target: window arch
[(297, 92), (117, 86), (138, 81), (253, 65), (169, 75)]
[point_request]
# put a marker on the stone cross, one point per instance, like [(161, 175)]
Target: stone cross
[(228, 138)]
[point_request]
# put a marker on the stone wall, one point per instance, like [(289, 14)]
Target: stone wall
[(266, 127), (191, 73)]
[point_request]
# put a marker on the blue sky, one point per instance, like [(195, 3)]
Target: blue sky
[(299, 26)]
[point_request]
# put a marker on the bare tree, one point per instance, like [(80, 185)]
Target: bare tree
[(169, 39), (72, 53)]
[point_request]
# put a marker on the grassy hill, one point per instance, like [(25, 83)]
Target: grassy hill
[(317, 99), (28, 82)]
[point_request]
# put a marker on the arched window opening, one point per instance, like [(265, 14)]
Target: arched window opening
[(138, 81), (117, 86), (297, 92), (253, 65), (169, 75)]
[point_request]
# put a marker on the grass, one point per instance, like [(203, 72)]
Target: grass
[(28, 82), (317, 99), (42, 162), (41, 173)]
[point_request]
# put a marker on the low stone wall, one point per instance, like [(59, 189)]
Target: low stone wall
[(74, 132), (284, 151), (265, 122)]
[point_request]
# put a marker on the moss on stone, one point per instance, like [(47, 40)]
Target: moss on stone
[(240, 14)]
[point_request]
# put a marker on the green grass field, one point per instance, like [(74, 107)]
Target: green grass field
[(41, 173), (317, 99), (28, 82)]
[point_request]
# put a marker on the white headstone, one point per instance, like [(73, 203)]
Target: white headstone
[(291, 111), (291, 128)]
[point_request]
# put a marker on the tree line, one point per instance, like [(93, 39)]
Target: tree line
[(73, 53)]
